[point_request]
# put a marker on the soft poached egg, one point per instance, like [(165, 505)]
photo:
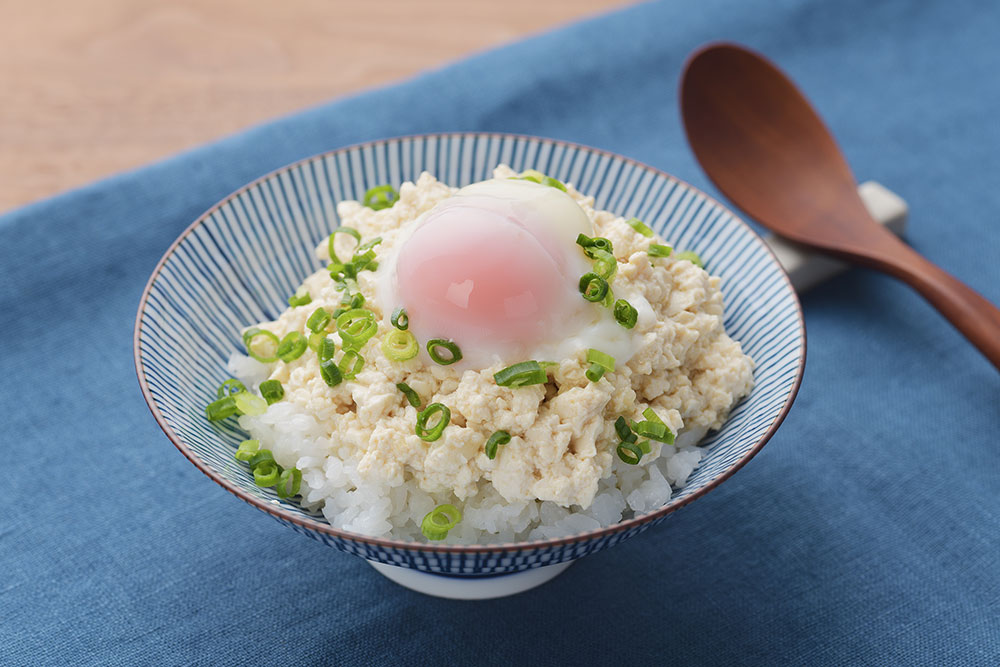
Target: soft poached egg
[(495, 269)]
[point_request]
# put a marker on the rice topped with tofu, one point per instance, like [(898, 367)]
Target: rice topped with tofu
[(536, 441)]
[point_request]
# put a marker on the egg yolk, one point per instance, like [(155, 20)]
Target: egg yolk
[(495, 267)]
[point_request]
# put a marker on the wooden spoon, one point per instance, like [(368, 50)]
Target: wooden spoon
[(766, 148)]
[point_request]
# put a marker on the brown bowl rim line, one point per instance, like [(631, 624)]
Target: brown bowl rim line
[(278, 512)]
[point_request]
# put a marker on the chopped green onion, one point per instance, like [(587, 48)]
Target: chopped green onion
[(362, 261), (352, 300), (230, 387), (272, 391), (454, 354), (639, 226), (660, 250), (648, 429), (595, 372), (521, 375), (554, 183), (250, 404), (690, 256), (605, 264), (221, 408), (609, 299), (629, 452), (350, 231), (315, 340), (593, 287), (439, 521), (625, 313), (300, 298), (263, 337), (400, 345), (532, 175), (604, 360), (318, 320), (351, 364), (498, 438), (623, 430), (654, 428), (368, 245), (262, 456), (292, 346), (341, 273), (330, 373), (411, 396), (548, 364), (266, 474), (289, 483), (400, 319), (356, 326), (434, 432), (644, 446), (597, 243), (247, 450), (380, 197), (326, 349)]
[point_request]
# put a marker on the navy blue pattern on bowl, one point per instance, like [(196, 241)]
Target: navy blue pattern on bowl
[(237, 264)]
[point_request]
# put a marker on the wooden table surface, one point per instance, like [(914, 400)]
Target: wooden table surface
[(97, 86)]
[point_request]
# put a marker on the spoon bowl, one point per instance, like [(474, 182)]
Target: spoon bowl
[(765, 147)]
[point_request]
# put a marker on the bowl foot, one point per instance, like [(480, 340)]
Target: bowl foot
[(458, 587)]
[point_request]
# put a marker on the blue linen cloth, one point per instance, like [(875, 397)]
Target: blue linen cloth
[(866, 532)]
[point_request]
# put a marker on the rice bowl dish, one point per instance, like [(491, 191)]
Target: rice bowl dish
[(566, 464)]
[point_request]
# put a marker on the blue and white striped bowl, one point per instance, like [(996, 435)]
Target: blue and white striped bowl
[(238, 262)]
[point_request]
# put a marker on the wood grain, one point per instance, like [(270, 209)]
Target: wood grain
[(95, 87)]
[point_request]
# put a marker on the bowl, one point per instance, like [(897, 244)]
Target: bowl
[(237, 263)]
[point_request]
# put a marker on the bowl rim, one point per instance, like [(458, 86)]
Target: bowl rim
[(278, 511)]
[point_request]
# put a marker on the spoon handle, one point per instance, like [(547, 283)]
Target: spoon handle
[(975, 317)]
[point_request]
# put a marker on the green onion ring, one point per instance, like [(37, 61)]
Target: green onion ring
[(432, 349), (356, 326), (439, 521), (595, 372), (411, 396), (692, 257), (644, 447), (498, 438), (286, 490), (623, 430), (351, 364), (292, 346), (434, 432), (605, 264), (629, 452), (593, 287), (640, 226), (272, 391), (248, 341), (400, 319), (330, 373), (381, 197), (300, 298), (319, 319), (651, 430), (247, 450), (326, 349), (606, 361), (521, 375), (266, 474), (368, 245), (230, 387), (400, 345), (221, 408), (262, 456), (250, 404), (660, 250), (625, 313), (350, 231)]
